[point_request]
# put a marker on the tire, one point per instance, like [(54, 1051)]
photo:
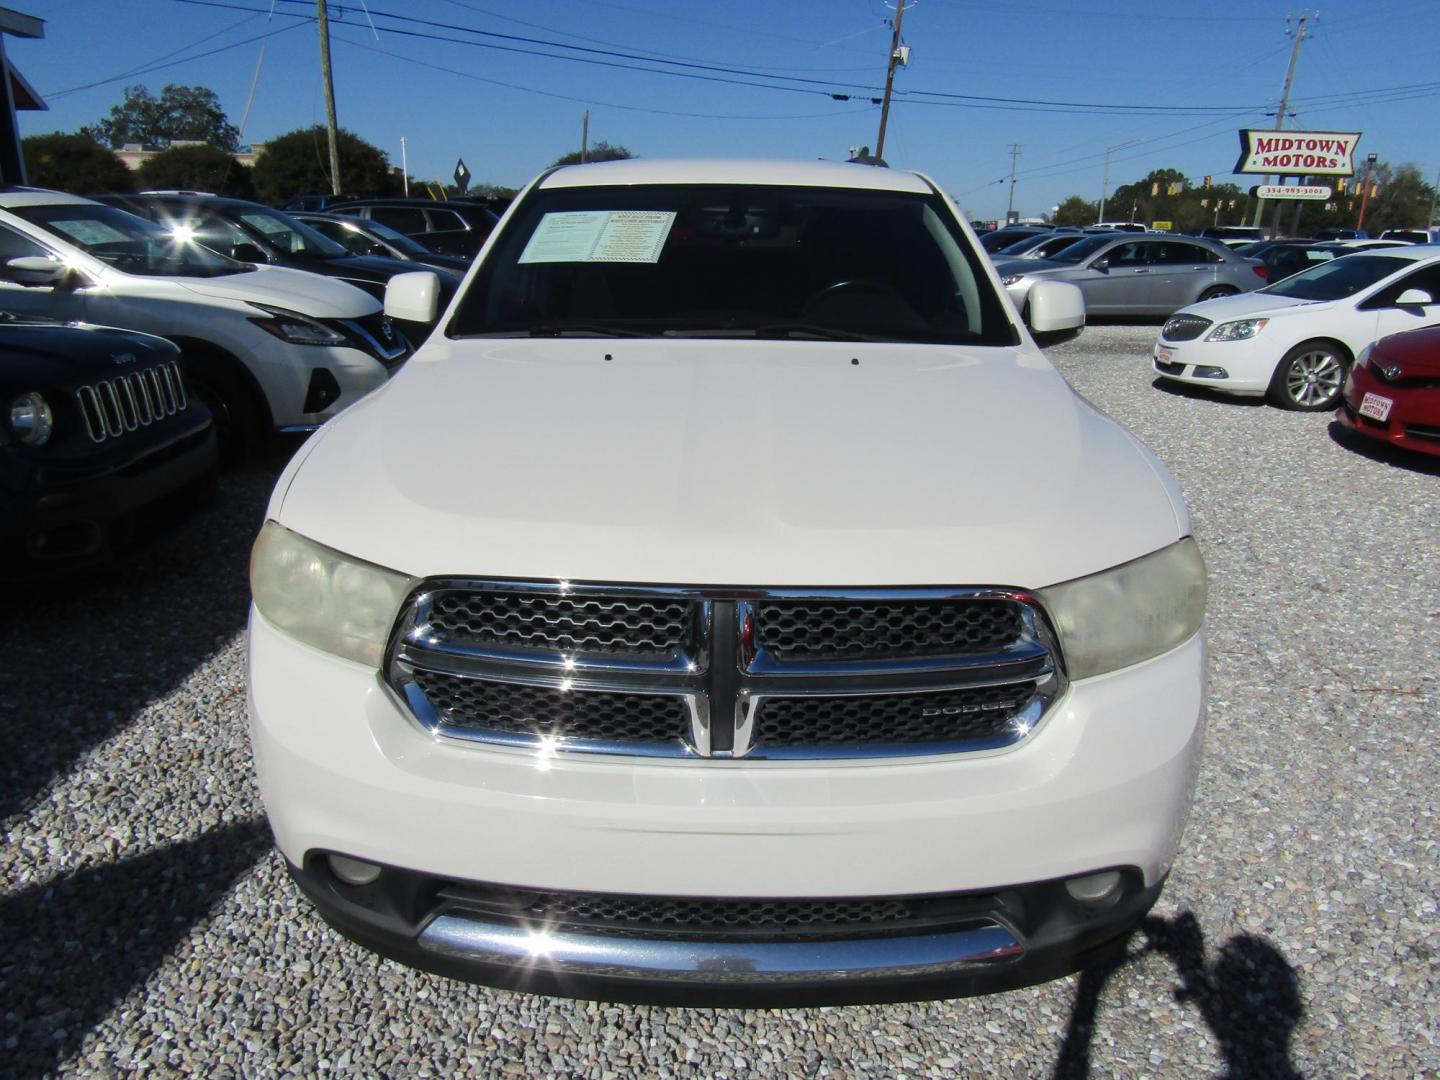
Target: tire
[(1217, 291), (231, 401), (1310, 377)]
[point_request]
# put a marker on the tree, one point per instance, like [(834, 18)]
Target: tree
[(1076, 211), (187, 113), (601, 151), (197, 168), (74, 163), (298, 163)]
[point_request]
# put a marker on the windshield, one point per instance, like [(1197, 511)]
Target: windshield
[(1081, 249), (290, 237), (396, 239), (129, 243), (734, 261), (1019, 247), (1339, 278)]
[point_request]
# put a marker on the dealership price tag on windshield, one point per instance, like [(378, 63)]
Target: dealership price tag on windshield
[(609, 236)]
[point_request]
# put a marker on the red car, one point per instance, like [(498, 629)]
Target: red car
[(1393, 394)]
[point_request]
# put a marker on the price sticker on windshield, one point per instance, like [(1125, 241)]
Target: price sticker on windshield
[(604, 236)]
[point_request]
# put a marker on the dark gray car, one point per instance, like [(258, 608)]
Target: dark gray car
[(1137, 273)]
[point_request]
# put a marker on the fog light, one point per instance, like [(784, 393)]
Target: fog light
[(323, 392), (353, 871), (1206, 371), (1094, 889)]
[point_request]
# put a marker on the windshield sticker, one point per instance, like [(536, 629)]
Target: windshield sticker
[(87, 232), (611, 236)]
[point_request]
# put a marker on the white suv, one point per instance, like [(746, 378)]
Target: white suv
[(730, 604), (265, 348)]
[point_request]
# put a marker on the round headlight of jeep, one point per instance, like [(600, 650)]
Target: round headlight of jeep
[(31, 420)]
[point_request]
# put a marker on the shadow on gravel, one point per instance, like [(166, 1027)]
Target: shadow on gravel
[(71, 949), (1202, 393), (1384, 453), (84, 651), (1249, 997)]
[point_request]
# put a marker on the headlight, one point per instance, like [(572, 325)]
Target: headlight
[(297, 329), (1130, 613), (331, 601), (1011, 279), (1238, 330), (31, 419)]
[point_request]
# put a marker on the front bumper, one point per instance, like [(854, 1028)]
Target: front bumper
[(285, 373), (73, 512), (1412, 419), (1232, 367), (1104, 783)]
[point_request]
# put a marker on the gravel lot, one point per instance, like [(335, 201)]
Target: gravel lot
[(147, 924)]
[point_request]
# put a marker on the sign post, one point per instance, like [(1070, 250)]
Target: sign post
[(462, 175)]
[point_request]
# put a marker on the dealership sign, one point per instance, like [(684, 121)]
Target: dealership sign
[(1293, 191), (1299, 153)]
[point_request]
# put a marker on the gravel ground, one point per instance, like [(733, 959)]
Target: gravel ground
[(145, 922)]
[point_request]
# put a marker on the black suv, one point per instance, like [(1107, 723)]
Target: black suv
[(97, 436), (255, 233), (454, 226)]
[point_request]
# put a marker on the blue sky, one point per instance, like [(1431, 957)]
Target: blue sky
[(1084, 69)]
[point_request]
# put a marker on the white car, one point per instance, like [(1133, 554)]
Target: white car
[(1295, 340), (729, 603), (265, 348)]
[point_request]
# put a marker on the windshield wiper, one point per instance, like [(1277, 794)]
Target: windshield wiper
[(581, 329), (812, 330)]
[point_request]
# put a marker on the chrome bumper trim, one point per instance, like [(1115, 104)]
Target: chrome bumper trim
[(710, 961)]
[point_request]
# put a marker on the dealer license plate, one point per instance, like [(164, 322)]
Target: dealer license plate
[(1163, 354), (1376, 407)]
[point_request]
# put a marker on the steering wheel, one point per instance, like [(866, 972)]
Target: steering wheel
[(850, 285)]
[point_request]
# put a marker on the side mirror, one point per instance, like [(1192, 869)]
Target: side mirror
[(1103, 265), (1408, 298), (36, 270), (1057, 311), (247, 253), (414, 297)]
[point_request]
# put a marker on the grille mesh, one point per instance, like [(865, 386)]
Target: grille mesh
[(681, 913), (1184, 327), (614, 625), (954, 716), (136, 399), (479, 705), (799, 631)]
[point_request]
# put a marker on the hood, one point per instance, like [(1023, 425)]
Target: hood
[(1416, 353), (723, 462), (1244, 305), (36, 355), (293, 290)]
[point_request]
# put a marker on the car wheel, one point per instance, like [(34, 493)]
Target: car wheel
[(1310, 377), (231, 403), (1217, 291)]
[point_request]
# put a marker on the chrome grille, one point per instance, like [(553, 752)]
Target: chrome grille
[(136, 399), (637, 626), (977, 714), (1184, 327), (868, 631), (548, 712), (661, 671)]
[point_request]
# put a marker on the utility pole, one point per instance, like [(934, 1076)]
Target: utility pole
[(890, 79), (584, 136), (1104, 187), (1434, 196), (1365, 195), (1299, 34), (323, 18), (1014, 153)]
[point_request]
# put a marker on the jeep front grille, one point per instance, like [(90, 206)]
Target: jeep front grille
[(758, 673), (136, 399)]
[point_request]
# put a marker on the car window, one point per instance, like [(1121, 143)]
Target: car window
[(127, 242), (446, 219), (1172, 253), (735, 261), (347, 236), (1080, 250), (398, 240), (1426, 279), (289, 236), (15, 246), (1132, 253), (1337, 279), (407, 219), (214, 232)]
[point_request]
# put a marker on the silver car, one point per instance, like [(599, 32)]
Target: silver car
[(1137, 273)]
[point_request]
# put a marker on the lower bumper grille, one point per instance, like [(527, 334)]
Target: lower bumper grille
[(657, 671), (1169, 368)]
